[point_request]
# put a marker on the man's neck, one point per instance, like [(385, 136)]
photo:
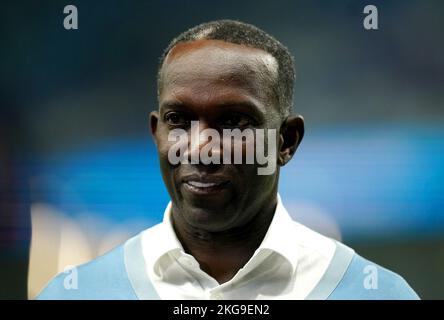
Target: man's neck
[(222, 254)]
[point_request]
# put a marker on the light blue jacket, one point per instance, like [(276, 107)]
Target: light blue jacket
[(120, 274)]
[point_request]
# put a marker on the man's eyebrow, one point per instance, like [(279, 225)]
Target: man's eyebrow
[(244, 104), (171, 104), (257, 110)]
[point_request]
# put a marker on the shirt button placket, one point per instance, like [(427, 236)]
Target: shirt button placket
[(216, 296)]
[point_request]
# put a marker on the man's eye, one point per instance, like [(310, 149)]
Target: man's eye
[(176, 119), (236, 120)]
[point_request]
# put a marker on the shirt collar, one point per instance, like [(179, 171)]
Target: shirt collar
[(160, 241), (279, 237)]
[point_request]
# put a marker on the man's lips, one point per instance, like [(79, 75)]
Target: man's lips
[(205, 184), (199, 184)]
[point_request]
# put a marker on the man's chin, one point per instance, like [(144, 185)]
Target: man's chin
[(208, 218)]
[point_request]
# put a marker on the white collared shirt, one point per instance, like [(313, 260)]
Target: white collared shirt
[(287, 265)]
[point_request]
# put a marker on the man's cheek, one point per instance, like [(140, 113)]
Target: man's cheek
[(171, 152)]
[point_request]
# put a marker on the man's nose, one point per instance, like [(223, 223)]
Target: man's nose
[(205, 145)]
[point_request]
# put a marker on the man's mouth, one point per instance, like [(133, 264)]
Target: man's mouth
[(198, 184), (205, 185)]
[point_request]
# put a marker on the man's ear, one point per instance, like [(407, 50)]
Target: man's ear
[(154, 119), (291, 134)]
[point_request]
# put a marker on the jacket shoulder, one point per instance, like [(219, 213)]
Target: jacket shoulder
[(104, 277), (365, 280)]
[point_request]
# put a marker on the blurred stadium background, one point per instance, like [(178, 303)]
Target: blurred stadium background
[(76, 155)]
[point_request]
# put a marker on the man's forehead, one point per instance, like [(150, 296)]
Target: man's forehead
[(217, 60), (210, 45)]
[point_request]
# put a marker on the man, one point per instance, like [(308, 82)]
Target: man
[(226, 233)]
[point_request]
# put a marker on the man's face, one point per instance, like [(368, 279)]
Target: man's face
[(223, 86)]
